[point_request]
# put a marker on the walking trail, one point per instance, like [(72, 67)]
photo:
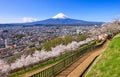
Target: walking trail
[(77, 68)]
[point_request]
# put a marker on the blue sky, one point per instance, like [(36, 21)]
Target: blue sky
[(13, 11)]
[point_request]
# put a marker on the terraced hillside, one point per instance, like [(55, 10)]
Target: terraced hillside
[(109, 63)]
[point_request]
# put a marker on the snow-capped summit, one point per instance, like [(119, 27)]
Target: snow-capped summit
[(60, 16)]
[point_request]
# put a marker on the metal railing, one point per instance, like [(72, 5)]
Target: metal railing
[(57, 68)]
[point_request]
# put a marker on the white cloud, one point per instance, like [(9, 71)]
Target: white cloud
[(28, 19)]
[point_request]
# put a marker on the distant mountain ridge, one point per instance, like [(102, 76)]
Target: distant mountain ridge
[(64, 21), (60, 18)]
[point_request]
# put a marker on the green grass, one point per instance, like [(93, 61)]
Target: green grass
[(47, 63), (109, 64)]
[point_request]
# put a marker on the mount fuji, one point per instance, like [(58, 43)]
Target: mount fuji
[(60, 18)]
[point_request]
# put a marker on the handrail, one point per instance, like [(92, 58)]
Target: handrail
[(57, 68)]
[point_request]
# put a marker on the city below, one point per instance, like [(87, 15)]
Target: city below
[(19, 37)]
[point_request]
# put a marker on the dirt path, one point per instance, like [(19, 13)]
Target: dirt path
[(77, 68)]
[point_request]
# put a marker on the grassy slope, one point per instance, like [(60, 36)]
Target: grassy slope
[(109, 63)]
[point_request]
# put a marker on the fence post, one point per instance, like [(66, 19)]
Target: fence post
[(64, 63), (72, 58), (53, 70)]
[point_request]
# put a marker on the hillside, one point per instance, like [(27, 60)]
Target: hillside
[(60, 18), (109, 63)]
